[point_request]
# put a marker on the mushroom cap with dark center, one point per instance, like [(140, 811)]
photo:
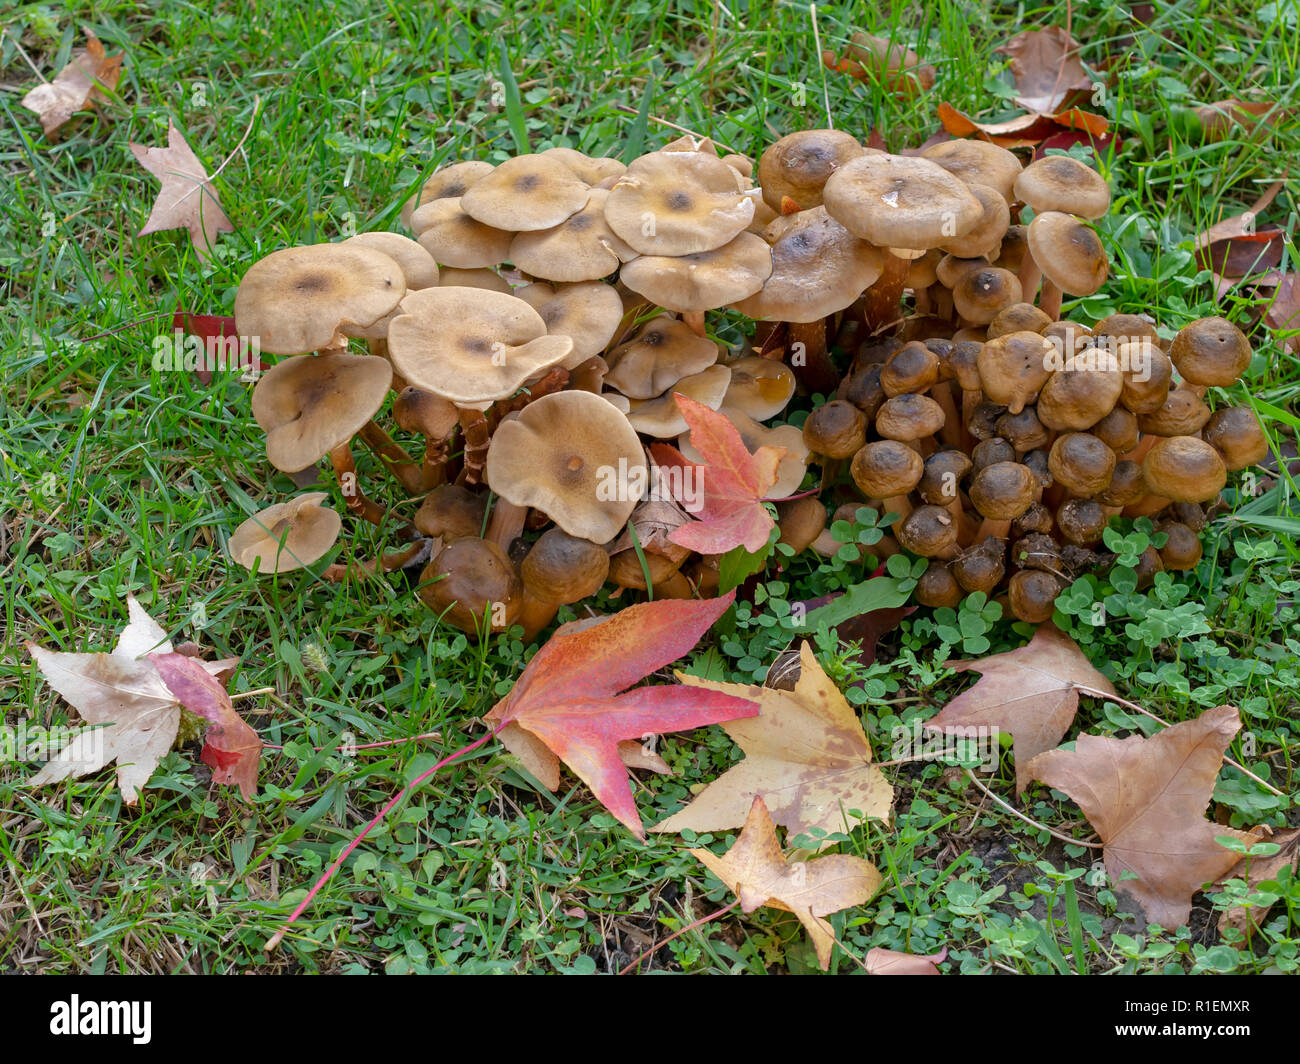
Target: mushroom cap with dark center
[(1069, 253), (678, 203), (581, 248), (1183, 413), (1061, 183), (1014, 367), (1082, 463), (575, 458), (588, 313), (912, 368), (1015, 245), (450, 182), (944, 471), (818, 268), (1079, 397), (451, 512), (1023, 430), (286, 536), (473, 586), (455, 239), (303, 299), (1184, 469), (1003, 491), (798, 165), (562, 568), (703, 280), (1127, 485), (659, 354), (1210, 351), (981, 294), (592, 170), (1018, 317), (1082, 521), (661, 417), (909, 417), (1235, 433), (835, 429), (525, 193), (985, 236), (900, 201), (978, 162), (471, 346), (309, 404), (991, 451), (951, 269), (886, 468)]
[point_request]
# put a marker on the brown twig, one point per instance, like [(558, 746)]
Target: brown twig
[(1032, 823)]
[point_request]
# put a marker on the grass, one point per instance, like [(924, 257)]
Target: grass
[(120, 479)]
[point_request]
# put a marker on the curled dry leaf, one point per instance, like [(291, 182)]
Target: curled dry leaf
[(1047, 69), (759, 874), (187, 199), (806, 755), (1238, 246), (1024, 130), (1032, 693), (1226, 118), (1147, 798), (892, 962), (77, 86)]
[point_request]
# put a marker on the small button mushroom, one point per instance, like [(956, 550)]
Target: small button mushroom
[(1018, 317), (1184, 469), (801, 522), (1183, 413), (1038, 463), (1070, 256), (472, 585), (951, 269), (1127, 485), (1077, 398), (1082, 463), (286, 536), (797, 166), (1210, 352), (558, 570), (940, 483), (1182, 550), (938, 587), (1037, 550), (1189, 513), (885, 469), (909, 417), (1023, 430), (1082, 521), (1031, 594), (835, 430), (981, 294), (990, 452), (929, 531), (1125, 327), (1003, 491), (1147, 376), (625, 570), (985, 236), (981, 568), (1014, 250), (1013, 367), (451, 512), (1235, 433), (864, 390), (912, 368), (1118, 430), (1038, 518), (983, 420)]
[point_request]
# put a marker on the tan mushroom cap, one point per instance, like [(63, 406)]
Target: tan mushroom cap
[(900, 201), (488, 280), (587, 313), (590, 169), (581, 248), (1068, 252), (418, 266), (789, 472), (1013, 367), (951, 269), (818, 268), (1079, 396), (662, 418), (659, 354), (985, 236), (286, 536), (575, 458), (526, 192), (309, 404), (453, 238), (909, 417), (760, 387), (678, 203), (450, 182), (978, 162), (470, 345), (798, 165), (1060, 183), (1184, 469), (742, 164), (981, 294), (304, 299), (1211, 352), (704, 280)]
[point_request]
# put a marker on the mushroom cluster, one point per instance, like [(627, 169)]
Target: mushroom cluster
[(535, 329)]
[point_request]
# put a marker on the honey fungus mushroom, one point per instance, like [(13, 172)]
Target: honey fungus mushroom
[(1184, 469), (1210, 352), (575, 458), (581, 248), (1062, 184), (472, 585), (449, 182), (1014, 367), (1082, 463), (286, 536), (456, 239), (704, 280), (658, 355), (558, 570), (526, 193), (1235, 433), (797, 167), (1070, 256), (978, 162), (835, 429)]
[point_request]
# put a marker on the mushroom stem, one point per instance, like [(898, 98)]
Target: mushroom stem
[(1146, 506), (695, 319), (395, 459), (990, 527), (924, 305), (345, 469), (506, 523), (809, 359), (590, 375), (553, 381), (896, 504), (953, 432), (1030, 276), (885, 296), (414, 554), (434, 418), (535, 614), (1050, 300), (943, 307), (477, 433)]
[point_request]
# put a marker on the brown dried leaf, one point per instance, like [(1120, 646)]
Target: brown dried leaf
[(187, 199), (757, 872), (77, 86), (1254, 870), (891, 962), (1024, 130), (1147, 798), (1046, 68), (1283, 314), (1235, 247), (1224, 118)]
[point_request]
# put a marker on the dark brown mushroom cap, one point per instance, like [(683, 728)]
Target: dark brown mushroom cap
[(451, 512), (1013, 367), (1148, 374), (472, 585), (1018, 317), (985, 236), (863, 390), (978, 161), (1069, 253), (1079, 397), (1183, 413), (961, 363), (798, 165), (928, 531), (909, 417), (1235, 433), (1013, 249), (982, 566), (900, 201), (951, 269), (801, 522), (455, 239), (1037, 463), (942, 475), (1082, 521), (574, 457), (818, 268), (990, 452), (1127, 485), (1082, 463), (1062, 183), (286, 536), (1184, 469), (835, 429), (309, 404), (937, 587), (1182, 550), (562, 568), (982, 423), (1211, 352), (1038, 518), (703, 280), (306, 298), (1125, 327), (524, 193), (886, 468), (912, 368), (1023, 430), (678, 203), (981, 294), (1031, 594), (1118, 430), (1003, 491)]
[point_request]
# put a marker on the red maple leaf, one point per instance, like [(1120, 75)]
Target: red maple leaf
[(568, 696), (211, 328), (729, 508)]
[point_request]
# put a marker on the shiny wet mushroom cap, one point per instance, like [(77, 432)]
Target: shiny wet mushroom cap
[(1069, 253), (286, 536), (662, 418), (1235, 433), (797, 166)]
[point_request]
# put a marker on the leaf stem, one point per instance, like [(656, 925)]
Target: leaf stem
[(1032, 823), (677, 934)]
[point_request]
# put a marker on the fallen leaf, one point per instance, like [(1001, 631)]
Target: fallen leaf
[(1147, 798), (78, 86), (1031, 692), (123, 690), (1255, 870), (892, 962), (215, 331), (1283, 314), (230, 746), (895, 66), (1025, 130), (757, 872), (1224, 118), (733, 482), (1103, 144), (567, 702), (1236, 246), (1047, 70), (187, 199), (806, 755)]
